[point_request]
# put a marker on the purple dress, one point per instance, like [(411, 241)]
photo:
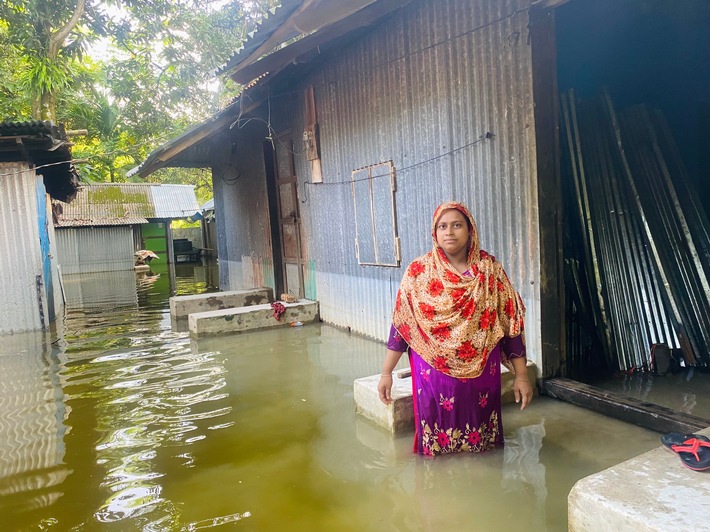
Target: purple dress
[(457, 415)]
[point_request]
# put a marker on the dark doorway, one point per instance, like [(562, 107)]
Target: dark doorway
[(285, 218), (621, 92)]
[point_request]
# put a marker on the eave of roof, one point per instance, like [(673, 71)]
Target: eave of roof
[(45, 146), (309, 17), (161, 156), (264, 30), (299, 51)]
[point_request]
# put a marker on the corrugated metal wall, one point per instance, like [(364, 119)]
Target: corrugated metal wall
[(432, 79), (20, 257), (84, 249), (422, 89)]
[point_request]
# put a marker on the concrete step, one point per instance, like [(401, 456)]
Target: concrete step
[(241, 319), (652, 491), (399, 416), (182, 306)]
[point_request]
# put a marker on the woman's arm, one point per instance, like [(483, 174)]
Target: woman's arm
[(521, 385), (384, 387)]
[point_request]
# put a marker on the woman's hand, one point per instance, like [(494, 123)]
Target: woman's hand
[(523, 391), (384, 388)]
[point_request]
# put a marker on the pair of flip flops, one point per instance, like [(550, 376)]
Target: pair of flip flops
[(693, 449)]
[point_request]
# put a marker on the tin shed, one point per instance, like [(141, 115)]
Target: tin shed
[(106, 223), (35, 164), (333, 160), (357, 118)]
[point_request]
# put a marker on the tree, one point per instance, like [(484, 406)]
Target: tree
[(154, 79), (48, 35)]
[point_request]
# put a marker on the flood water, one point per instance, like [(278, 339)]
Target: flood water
[(124, 424)]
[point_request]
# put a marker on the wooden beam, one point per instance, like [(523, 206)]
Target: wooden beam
[(628, 409), (552, 290)]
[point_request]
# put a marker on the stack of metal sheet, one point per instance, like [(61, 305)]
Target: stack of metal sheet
[(641, 237)]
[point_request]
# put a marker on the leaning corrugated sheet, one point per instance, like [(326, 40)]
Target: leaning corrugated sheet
[(434, 78), (20, 257)]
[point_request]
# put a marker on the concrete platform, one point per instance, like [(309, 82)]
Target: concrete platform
[(182, 306), (653, 492), (241, 319), (399, 416)]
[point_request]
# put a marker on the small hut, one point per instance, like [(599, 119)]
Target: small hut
[(35, 165)]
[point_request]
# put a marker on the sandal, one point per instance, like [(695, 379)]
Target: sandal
[(678, 438), (694, 454)]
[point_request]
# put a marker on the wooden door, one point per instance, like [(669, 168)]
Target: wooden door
[(289, 219)]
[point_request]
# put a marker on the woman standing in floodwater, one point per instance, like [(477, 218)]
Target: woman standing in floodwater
[(460, 317)]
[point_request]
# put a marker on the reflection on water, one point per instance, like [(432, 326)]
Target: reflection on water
[(125, 424), (687, 391), (32, 423)]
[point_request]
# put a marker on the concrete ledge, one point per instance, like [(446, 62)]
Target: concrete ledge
[(235, 320), (399, 416), (653, 492), (182, 306)]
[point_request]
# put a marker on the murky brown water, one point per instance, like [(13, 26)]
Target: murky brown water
[(126, 425)]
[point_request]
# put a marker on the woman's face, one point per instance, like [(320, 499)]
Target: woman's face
[(452, 233)]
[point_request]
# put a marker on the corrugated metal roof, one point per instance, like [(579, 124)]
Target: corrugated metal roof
[(265, 29), (341, 11), (174, 201), (106, 221), (127, 204), (30, 127)]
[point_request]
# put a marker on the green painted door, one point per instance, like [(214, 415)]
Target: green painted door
[(155, 239)]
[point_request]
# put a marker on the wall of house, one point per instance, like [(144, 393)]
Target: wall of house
[(56, 269), (193, 234), (444, 90), (243, 229), (24, 303), (95, 249)]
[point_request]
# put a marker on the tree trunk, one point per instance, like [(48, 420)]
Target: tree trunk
[(48, 107)]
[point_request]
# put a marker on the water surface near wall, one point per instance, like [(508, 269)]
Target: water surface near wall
[(124, 424)]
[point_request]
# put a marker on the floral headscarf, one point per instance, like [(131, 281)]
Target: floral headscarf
[(453, 321)]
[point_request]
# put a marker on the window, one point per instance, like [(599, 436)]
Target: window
[(376, 240)]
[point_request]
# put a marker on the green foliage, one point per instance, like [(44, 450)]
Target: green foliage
[(133, 73)]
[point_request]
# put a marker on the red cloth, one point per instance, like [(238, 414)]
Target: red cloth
[(279, 309)]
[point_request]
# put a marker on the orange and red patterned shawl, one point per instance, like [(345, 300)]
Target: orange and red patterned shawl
[(453, 321)]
